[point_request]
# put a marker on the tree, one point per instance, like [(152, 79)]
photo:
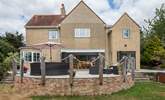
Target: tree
[(153, 39), (10, 43), (5, 48), (14, 39), (153, 51), (9, 48), (156, 26), (7, 63)]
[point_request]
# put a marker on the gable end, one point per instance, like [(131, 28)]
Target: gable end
[(82, 2)]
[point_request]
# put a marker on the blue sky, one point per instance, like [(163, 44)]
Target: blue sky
[(113, 5), (14, 14)]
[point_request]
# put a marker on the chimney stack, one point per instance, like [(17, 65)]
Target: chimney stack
[(63, 12)]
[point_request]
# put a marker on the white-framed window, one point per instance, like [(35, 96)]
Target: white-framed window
[(31, 56), (28, 56), (126, 33), (36, 57), (53, 34), (82, 32)]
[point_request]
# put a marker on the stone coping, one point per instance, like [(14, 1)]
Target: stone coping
[(79, 74)]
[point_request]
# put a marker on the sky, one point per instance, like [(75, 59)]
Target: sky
[(14, 14)]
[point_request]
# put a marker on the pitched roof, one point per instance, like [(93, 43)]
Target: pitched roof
[(45, 20), (128, 17), (87, 7), (53, 20)]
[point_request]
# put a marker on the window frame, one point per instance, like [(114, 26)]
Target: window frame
[(56, 35), (36, 56), (28, 56), (25, 55), (124, 35), (82, 33)]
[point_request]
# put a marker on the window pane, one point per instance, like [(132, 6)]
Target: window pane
[(53, 35), (126, 33), (82, 32), (38, 57), (28, 56), (25, 56), (34, 56)]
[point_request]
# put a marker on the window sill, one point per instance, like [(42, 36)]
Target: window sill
[(81, 37), (52, 39)]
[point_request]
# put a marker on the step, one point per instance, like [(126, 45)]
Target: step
[(142, 78), (140, 75), (7, 79), (6, 82)]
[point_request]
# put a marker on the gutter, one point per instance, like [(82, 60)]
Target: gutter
[(42, 27)]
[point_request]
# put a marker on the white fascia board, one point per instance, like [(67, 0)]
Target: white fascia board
[(82, 50), (41, 27)]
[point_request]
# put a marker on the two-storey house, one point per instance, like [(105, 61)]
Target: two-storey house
[(83, 33)]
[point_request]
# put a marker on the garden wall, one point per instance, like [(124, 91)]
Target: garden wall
[(81, 86)]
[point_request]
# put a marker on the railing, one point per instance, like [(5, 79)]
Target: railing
[(127, 64)]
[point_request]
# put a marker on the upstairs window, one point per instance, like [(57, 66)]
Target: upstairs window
[(82, 32), (126, 33), (53, 35)]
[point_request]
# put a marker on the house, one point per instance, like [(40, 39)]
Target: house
[(81, 33)]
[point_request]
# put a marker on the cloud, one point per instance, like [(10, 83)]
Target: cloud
[(14, 14), (137, 9)]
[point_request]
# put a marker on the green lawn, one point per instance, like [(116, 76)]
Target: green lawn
[(141, 91)]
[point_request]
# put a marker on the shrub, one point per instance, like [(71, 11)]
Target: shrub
[(162, 66), (1, 72), (6, 65)]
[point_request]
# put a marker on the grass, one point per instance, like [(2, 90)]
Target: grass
[(141, 91)]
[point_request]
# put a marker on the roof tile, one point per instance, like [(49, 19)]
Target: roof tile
[(45, 20)]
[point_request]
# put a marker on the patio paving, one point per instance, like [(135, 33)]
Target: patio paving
[(150, 71), (79, 74)]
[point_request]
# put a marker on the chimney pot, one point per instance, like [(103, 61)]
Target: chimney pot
[(63, 12), (62, 5)]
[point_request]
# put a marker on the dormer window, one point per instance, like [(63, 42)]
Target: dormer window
[(53, 35), (82, 32), (126, 33)]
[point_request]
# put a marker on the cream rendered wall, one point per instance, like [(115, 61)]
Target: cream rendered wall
[(96, 41), (80, 17), (118, 42), (83, 17), (40, 35), (82, 14)]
